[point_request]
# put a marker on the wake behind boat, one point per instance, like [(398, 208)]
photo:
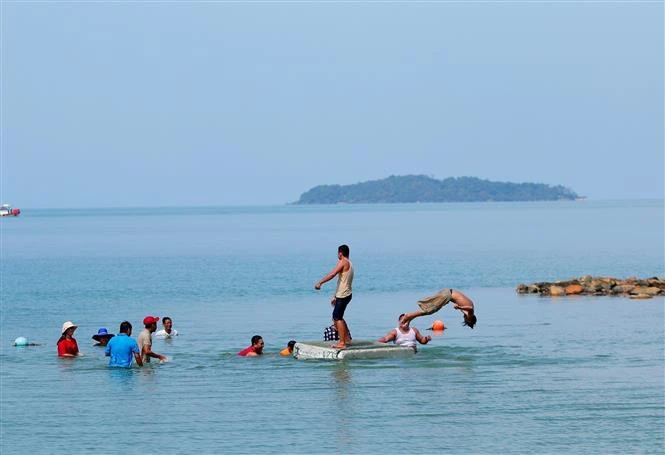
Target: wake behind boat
[(322, 350)]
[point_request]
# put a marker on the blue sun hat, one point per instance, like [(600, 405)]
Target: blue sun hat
[(102, 333)]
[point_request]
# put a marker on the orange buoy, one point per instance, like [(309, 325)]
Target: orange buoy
[(438, 325)]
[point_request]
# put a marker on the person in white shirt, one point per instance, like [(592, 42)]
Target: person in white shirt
[(403, 335), (168, 331)]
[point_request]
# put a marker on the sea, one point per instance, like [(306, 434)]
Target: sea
[(579, 374)]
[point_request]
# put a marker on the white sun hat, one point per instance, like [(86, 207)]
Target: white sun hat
[(68, 325)]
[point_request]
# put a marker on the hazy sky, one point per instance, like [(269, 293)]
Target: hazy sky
[(234, 103)]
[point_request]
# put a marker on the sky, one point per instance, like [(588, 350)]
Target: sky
[(141, 104)]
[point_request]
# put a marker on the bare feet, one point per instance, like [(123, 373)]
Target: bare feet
[(338, 346)]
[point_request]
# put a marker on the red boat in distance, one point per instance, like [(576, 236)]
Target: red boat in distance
[(7, 210)]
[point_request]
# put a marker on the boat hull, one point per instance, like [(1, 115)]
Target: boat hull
[(320, 350), (7, 210)]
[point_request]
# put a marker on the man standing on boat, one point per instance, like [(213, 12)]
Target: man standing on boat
[(343, 293)]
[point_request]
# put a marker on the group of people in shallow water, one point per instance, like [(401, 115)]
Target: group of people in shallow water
[(122, 349), (403, 334)]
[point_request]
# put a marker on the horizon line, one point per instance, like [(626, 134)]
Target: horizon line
[(295, 203)]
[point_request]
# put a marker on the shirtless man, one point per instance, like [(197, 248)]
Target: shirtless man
[(433, 303), (344, 272), (403, 335)]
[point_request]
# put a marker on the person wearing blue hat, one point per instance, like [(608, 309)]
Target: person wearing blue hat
[(102, 337)]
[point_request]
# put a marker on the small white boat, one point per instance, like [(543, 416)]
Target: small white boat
[(322, 350), (7, 210)]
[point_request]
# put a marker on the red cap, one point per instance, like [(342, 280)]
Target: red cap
[(150, 320)]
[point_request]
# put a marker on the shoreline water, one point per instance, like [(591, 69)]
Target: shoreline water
[(537, 374), (538, 362)]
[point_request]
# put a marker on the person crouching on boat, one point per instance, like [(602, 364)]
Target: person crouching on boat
[(404, 335)]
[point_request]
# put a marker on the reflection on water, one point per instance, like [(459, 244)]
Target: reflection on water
[(67, 364), (342, 382), (125, 377)]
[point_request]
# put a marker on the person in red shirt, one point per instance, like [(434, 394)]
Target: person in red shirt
[(67, 346), (255, 349)]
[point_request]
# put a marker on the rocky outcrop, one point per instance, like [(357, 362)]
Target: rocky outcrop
[(635, 288)]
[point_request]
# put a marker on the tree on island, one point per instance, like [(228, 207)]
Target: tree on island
[(422, 188)]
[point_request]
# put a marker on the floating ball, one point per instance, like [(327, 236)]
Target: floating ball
[(21, 341), (438, 325)]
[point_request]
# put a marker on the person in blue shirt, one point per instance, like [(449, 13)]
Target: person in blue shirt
[(121, 348)]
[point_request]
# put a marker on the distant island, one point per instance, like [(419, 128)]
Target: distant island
[(422, 188)]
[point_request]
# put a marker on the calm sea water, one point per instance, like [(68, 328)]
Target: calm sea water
[(536, 375)]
